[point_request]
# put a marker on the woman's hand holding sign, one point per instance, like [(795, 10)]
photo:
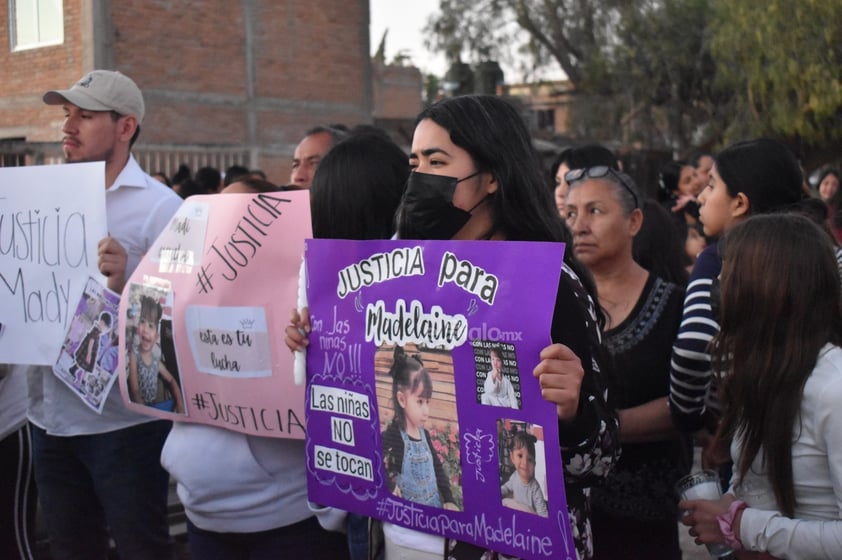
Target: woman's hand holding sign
[(560, 374), (298, 330)]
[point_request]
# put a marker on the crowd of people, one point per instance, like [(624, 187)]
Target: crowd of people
[(709, 315)]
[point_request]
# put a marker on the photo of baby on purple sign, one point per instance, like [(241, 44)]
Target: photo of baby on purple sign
[(421, 407)]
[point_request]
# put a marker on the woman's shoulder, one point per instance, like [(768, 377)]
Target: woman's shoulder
[(570, 288), (827, 373), (708, 263), (664, 289)]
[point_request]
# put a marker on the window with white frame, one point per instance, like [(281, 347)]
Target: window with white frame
[(35, 23)]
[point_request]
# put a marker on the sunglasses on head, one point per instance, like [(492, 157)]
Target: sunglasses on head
[(598, 172)]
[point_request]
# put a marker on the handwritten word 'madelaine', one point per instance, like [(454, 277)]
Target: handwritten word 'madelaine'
[(478, 528), (435, 329), (247, 237)]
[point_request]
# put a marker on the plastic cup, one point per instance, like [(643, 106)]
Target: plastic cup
[(703, 485)]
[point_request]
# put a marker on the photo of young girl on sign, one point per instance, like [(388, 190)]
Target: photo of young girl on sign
[(421, 454), (152, 379)]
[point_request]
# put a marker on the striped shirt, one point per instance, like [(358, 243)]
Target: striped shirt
[(692, 383)]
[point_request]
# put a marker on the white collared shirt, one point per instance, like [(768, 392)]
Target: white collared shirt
[(137, 209)]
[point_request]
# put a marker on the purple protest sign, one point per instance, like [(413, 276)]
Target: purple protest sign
[(421, 405)]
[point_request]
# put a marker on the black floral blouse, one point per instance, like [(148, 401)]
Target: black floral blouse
[(590, 444)]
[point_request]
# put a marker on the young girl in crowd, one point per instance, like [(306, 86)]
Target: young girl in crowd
[(414, 471), (476, 176), (522, 491), (779, 348), (748, 178), (149, 380)]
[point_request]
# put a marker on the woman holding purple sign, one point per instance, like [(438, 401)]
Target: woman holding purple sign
[(476, 177)]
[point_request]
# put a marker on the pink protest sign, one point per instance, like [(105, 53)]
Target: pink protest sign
[(203, 315), (421, 407)]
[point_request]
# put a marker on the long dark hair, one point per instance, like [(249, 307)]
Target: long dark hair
[(658, 246), (408, 374), (496, 137), (357, 188), (780, 305), (765, 170)]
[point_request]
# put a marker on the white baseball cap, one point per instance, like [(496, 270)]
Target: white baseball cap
[(102, 90)]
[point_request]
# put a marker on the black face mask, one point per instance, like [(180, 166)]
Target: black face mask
[(427, 210)]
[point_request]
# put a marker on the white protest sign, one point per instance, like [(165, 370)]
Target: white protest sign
[(51, 219)]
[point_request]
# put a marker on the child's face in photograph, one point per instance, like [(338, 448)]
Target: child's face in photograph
[(416, 408), (496, 362), (524, 464), (147, 329)]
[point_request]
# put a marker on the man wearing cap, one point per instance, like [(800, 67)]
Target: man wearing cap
[(99, 475)]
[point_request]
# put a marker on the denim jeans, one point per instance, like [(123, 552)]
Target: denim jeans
[(110, 484), (305, 539), (357, 531)]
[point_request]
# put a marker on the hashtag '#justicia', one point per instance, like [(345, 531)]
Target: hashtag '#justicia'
[(204, 280), (381, 508), (199, 401)]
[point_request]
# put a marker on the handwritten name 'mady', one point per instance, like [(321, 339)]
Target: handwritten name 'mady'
[(469, 277), (379, 267)]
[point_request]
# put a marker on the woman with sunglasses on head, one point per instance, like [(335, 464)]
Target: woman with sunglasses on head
[(576, 158), (634, 511), (748, 178)]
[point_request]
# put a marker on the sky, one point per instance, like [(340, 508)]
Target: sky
[(404, 19)]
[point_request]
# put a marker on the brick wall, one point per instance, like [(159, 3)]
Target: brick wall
[(27, 74), (397, 91), (219, 74)]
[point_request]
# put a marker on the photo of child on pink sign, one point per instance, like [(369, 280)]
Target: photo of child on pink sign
[(204, 314)]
